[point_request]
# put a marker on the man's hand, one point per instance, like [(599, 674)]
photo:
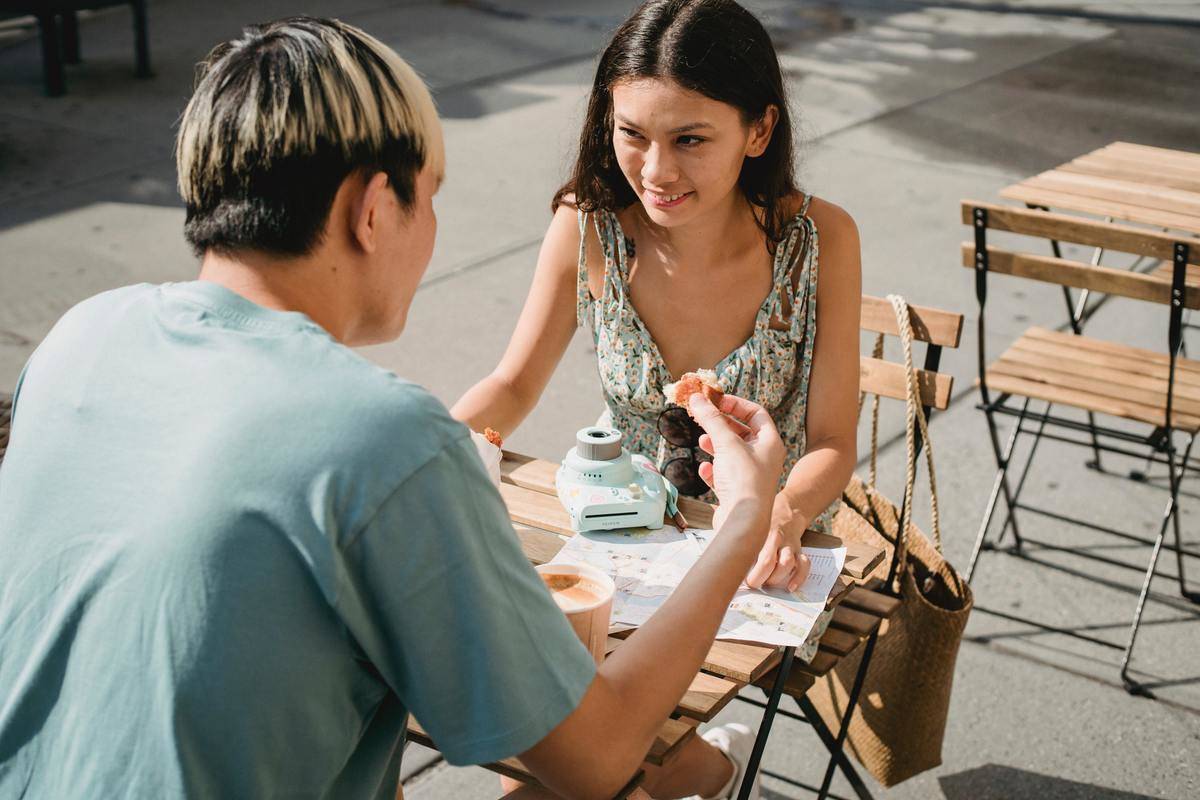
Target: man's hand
[(780, 564), (746, 449)]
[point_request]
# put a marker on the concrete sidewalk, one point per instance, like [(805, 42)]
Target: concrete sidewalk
[(905, 108)]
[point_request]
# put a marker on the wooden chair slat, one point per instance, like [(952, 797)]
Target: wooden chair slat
[(1166, 270), (931, 325), (889, 379), (1077, 230), (1105, 208), (1148, 378), (1093, 387), (1065, 272), (1061, 395), (1092, 348)]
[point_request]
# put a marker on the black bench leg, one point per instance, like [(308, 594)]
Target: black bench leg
[(141, 41), (52, 66), (70, 37)]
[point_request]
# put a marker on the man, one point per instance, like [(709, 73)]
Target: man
[(236, 555)]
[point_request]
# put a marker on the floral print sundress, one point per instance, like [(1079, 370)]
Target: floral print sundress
[(772, 367)]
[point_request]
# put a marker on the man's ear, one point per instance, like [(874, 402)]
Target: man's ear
[(367, 212), (760, 132)]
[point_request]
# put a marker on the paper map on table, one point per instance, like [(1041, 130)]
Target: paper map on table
[(646, 566)]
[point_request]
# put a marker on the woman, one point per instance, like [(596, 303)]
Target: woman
[(682, 242)]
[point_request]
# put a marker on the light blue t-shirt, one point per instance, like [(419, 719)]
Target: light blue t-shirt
[(234, 555)]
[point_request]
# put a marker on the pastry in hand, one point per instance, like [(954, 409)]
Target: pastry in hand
[(702, 380), (492, 436)]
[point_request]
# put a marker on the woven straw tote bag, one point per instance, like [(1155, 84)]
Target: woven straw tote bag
[(897, 729)]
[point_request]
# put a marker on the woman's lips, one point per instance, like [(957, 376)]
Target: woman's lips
[(661, 200)]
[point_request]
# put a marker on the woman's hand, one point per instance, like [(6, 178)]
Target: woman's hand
[(780, 564)]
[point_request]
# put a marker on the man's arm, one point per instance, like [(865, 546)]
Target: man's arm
[(597, 747)]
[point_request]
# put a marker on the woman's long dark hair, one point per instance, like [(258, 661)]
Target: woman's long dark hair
[(715, 48)]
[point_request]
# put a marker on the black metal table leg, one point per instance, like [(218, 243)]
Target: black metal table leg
[(837, 754), (764, 728), (52, 65), (70, 37), (141, 39)]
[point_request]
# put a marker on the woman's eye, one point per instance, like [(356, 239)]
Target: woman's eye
[(629, 133), (689, 141)]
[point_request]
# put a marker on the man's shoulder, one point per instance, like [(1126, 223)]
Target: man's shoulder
[(369, 413)]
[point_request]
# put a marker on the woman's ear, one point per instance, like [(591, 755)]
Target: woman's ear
[(368, 212), (761, 130)]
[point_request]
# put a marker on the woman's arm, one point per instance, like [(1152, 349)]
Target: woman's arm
[(819, 477), (503, 399)]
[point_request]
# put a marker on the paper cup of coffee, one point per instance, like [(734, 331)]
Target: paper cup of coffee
[(585, 594), (489, 454)]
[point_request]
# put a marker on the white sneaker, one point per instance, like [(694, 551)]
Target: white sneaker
[(736, 741)]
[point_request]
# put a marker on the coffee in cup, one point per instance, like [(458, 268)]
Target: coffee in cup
[(585, 595)]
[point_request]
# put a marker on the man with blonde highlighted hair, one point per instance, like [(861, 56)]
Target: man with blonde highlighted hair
[(236, 555)]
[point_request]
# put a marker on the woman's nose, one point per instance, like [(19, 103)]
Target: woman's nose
[(658, 168)]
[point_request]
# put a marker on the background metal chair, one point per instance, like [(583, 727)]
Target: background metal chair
[(58, 23), (1095, 376)]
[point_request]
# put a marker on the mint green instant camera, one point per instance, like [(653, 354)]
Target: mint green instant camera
[(603, 487)]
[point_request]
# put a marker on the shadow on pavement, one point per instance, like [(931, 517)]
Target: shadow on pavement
[(999, 782)]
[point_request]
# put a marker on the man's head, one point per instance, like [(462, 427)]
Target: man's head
[(307, 135)]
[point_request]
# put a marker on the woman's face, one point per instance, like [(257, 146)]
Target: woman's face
[(681, 152)]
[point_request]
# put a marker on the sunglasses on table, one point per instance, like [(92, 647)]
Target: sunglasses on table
[(680, 430)]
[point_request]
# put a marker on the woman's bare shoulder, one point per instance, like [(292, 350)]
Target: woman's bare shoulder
[(832, 220)]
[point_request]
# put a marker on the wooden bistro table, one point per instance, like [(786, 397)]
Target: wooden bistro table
[(1126, 184), (858, 610)]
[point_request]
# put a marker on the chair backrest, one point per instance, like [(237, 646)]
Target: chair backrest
[(935, 327), (1154, 288)]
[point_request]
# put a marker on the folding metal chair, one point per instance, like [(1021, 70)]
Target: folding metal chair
[(937, 329), (1095, 376)]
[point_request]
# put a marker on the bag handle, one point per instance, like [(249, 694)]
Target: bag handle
[(914, 421)]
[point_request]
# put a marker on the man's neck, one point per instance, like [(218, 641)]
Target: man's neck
[(308, 284)]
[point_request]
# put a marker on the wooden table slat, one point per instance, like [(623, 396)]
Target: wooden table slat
[(671, 736), (538, 545), (1127, 172), (1162, 198), (872, 602), (859, 623), (1152, 154), (1104, 208), (838, 641), (706, 695)]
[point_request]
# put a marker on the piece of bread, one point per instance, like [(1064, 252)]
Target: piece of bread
[(493, 437), (702, 380)]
